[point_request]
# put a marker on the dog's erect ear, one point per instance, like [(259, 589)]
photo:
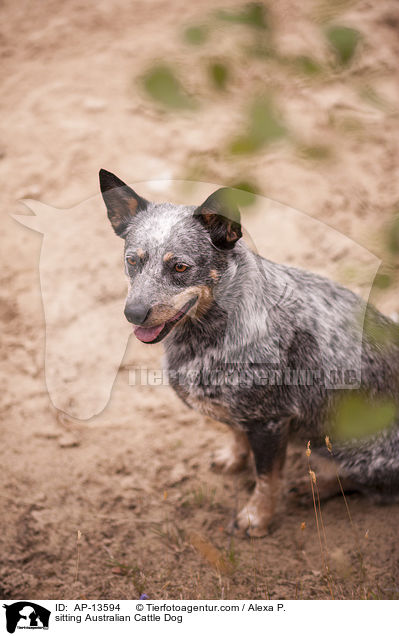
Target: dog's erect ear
[(220, 215), (122, 202)]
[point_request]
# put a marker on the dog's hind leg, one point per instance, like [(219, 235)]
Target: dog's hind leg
[(269, 444), (233, 457)]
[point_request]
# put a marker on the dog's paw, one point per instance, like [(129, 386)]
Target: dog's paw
[(253, 522), (226, 461)]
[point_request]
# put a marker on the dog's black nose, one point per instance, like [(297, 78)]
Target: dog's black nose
[(137, 313)]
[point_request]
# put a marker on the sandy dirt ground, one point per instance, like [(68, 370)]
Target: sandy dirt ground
[(124, 502)]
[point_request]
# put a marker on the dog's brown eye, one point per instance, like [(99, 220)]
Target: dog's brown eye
[(180, 267), (132, 261)]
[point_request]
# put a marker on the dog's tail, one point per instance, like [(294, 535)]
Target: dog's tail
[(373, 464)]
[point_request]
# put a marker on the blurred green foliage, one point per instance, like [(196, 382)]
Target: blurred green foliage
[(253, 38), (243, 193), (344, 41), (253, 14), (264, 126), (382, 281), (162, 85), (219, 75), (307, 65), (358, 417), (196, 34)]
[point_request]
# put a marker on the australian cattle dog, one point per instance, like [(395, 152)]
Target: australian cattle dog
[(241, 333)]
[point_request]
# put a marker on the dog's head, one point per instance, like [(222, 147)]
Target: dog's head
[(174, 255)]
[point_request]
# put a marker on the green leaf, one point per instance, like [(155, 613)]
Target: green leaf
[(244, 145), (196, 35), (307, 65), (162, 86), (245, 193), (237, 196), (382, 281), (219, 75), (264, 127), (344, 41), (254, 14), (359, 417)]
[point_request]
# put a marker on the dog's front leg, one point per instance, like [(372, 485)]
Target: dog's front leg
[(269, 444)]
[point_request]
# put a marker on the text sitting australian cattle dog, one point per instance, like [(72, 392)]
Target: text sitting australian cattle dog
[(223, 311)]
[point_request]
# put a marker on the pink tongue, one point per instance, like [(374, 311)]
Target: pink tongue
[(148, 334)]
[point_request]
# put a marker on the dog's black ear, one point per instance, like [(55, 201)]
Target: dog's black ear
[(220, 215), (122, 202)]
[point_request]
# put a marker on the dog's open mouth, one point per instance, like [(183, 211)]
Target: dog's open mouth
[(158, 332)]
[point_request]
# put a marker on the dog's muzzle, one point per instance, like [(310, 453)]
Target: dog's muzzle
[(157, 332)]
